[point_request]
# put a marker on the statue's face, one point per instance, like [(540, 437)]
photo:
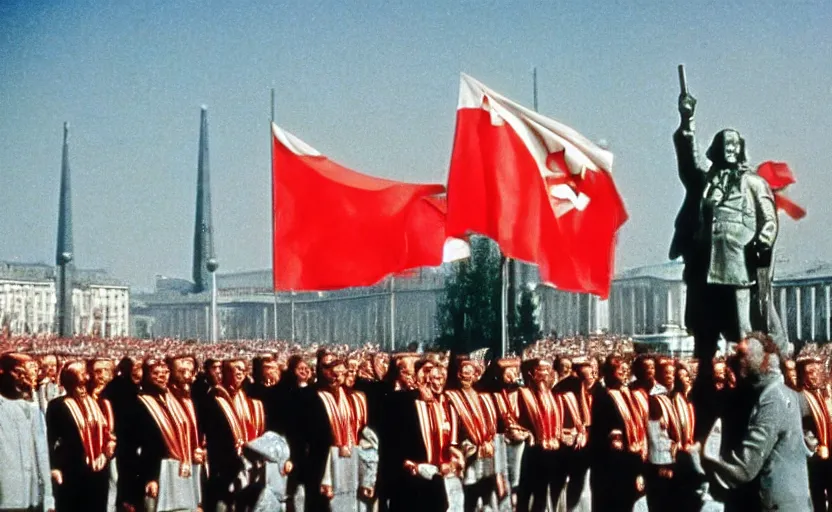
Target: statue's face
[(731, 147)]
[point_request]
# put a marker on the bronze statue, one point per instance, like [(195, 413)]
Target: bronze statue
[(725, 233)]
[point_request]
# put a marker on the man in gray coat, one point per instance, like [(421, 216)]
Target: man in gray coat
[(771, 457)]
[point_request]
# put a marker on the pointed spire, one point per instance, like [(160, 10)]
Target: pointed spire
[(204, 258), (64, 249), (65, 208)]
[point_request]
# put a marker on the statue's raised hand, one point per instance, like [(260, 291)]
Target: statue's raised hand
[(687, 105)]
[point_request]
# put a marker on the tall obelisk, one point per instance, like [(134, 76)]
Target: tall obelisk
[(64, 251), (205, 262)]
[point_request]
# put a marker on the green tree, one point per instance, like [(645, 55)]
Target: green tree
[(526, 327), (469, 312)]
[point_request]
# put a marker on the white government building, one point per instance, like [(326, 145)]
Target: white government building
[(100, 304)]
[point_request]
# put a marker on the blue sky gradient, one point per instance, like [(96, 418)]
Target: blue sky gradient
[(374, 86)]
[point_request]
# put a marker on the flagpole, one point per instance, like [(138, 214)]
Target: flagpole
[(392, 313), (504, 264), (274, 250)]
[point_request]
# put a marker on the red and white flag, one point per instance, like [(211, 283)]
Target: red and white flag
[(336, 228), (540, 189)]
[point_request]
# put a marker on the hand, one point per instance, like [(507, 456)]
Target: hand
[(666, 473), (687, 106), (151, 490), (199, 456), (110, 449), (288, 467), (57, 476), (502, 486), (617, 445), (411, 467), (366, 493), (327, 491), (640, 483)]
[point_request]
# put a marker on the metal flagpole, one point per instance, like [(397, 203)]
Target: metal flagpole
[(274, 250), (505, 265), (392, 313)]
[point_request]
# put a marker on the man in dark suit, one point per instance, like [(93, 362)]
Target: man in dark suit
[(80, 444)]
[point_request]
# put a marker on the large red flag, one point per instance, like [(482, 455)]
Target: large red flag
[(336, 228), (538, 188)]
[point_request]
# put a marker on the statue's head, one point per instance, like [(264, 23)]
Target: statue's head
[(727, 149)]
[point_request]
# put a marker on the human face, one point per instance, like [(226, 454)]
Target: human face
[(101, 373), (136, 374), (565, 368), (719, 372), (381, 363), (667, 377), (422, 374), (436, 381), (467, 374), (510, 375), (542, 373), (234, 374), (79, 370), (182, 373), (683, 376), (587, 376), (335, 376), (649, 370), (49, 368), (791, 374), (302, 372), (622, 373), (271, 373), (812, 376), (21, 378), (407, 375), (33, 370), (159, 376), (215, 373), (731, 147)]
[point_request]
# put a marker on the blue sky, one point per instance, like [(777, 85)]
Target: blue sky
[(374, 86)]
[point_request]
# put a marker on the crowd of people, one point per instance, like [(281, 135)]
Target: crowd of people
[(581, 423)]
